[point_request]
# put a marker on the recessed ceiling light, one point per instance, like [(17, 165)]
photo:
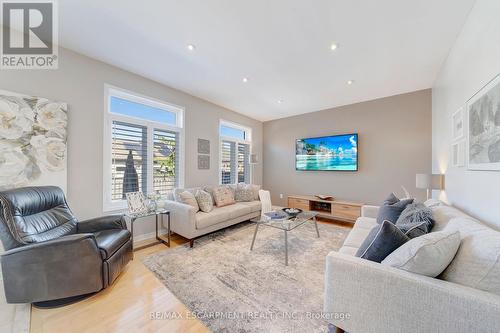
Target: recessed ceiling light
[(245, 80), (280, 101), (334, 46), (191, 47), (350, 82)]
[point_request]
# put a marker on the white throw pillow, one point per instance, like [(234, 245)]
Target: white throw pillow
[(188, 198), (427, 255), (477, 263)]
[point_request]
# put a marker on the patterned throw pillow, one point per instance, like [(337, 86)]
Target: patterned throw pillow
[(205, 201), (223, 196), (189, 199), (210, 190), (244, 192), (416, 220)]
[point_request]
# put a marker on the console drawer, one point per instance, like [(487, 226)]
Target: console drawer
[(298, 203), (346, 211)]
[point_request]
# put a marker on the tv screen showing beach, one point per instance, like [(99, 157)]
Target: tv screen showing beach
[(329, 153)]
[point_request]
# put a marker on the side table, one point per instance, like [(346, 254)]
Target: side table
[(159, 214)]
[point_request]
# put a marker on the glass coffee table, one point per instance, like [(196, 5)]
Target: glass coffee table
[(285, 223)]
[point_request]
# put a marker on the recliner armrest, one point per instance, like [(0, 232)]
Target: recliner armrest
[(65, 266), (102, 223)]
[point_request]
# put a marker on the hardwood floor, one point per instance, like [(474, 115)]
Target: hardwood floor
[(126, 306)]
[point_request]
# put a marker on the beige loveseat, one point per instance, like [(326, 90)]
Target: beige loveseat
[(190, 224), (365, 296)]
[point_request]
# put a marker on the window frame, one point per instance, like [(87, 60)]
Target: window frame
[(110, 205), (247, 140)]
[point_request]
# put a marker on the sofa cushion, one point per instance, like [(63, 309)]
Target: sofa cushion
[(349, 250), (392, 209), (236, 210), (221, 214), (217, 215), (416, 220), (477, 262), (381, 241), (365, 222), (255, 205), (356, 236), (110, 240), (427, 255)]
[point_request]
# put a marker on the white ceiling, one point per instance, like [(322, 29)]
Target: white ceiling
[(283, 46)]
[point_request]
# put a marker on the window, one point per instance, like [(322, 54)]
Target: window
[(143, 147), (235, 144)]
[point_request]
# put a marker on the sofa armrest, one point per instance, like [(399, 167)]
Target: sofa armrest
[(379, 298), (369, 211), (102, 223), (63, 267), (182, 218)]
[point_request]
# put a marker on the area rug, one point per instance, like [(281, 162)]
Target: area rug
[(232, 289)]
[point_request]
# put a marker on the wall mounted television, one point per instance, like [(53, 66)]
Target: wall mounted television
[(327, 153)]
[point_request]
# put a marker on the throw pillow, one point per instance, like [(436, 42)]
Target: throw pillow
[(381, 241), (256, 189), (188, 198), (427, 255), (205, 201), (416, 220), (223, 196), (243, 192), (210, 190), (477, 262), (392, 209)]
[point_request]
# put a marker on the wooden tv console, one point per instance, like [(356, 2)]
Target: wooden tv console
[(330, 209)]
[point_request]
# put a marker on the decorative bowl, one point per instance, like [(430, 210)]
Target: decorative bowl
[(292, 212)]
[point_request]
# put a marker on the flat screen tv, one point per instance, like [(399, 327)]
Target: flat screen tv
[(327, 153)]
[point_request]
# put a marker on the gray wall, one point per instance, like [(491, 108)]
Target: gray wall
[(79, 81), (394, 145), (473, 61)]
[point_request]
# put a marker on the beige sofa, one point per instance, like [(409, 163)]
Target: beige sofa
[(364, 296), (190, 224)]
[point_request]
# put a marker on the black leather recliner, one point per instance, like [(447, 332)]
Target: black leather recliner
[(52, 256)]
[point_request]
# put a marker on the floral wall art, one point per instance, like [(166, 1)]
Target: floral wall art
[(32, 141)]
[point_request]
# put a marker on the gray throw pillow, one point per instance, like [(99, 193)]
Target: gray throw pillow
[(392, 209), (416, 220), (381, 241)]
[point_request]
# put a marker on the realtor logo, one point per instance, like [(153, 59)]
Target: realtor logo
[(29, 35)]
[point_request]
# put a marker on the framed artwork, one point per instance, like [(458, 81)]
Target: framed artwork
[(483, 111), (203, 162), (33, 134), (458, 124), (136, 202), (458, 154), (203, 146)]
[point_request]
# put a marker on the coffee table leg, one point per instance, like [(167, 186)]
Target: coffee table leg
[(316, 225), (254, 235), (286, 248)]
